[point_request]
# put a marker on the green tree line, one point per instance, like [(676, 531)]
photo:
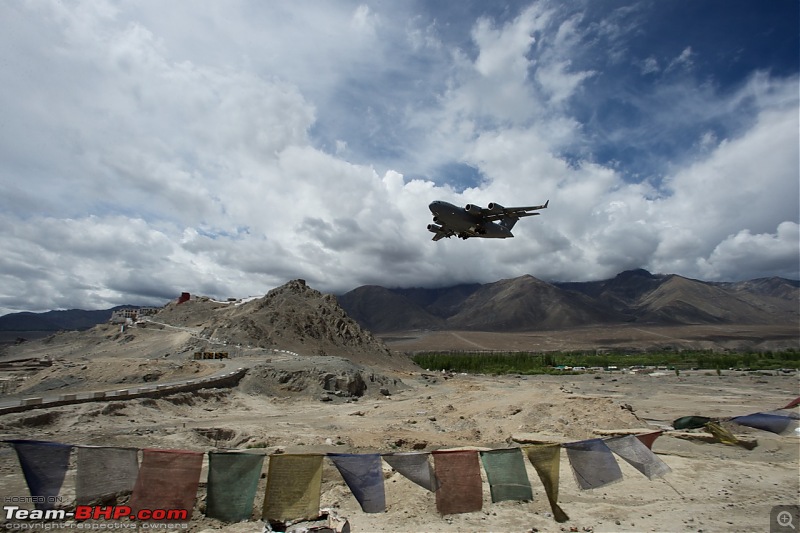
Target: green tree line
[(548, 362)]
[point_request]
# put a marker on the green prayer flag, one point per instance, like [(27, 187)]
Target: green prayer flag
[(232, 483), (505, 470)]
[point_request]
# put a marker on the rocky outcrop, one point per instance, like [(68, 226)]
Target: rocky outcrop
[(291, 317), (318, 376)]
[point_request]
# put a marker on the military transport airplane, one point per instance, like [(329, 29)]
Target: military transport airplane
[(475, 221)]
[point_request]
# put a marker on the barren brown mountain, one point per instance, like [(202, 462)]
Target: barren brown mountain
[(526, 303), (383, 309), (529, 304)]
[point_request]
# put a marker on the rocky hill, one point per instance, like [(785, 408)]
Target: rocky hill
[(526, 303), (292, 317)]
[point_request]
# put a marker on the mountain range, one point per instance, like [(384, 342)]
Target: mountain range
[(65, 319), (527, 303)]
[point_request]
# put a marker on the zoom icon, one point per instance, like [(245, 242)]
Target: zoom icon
[(784, 518)]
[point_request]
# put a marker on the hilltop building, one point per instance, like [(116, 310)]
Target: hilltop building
[(132, 314)]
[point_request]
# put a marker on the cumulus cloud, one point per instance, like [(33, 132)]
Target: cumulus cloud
[(138, 161), (768, 253), (746, 184)]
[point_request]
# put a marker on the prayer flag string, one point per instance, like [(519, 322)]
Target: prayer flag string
[(170, 478)]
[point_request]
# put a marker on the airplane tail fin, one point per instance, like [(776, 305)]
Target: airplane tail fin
[(508, 222)]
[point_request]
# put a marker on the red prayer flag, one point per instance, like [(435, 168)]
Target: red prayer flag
[(460, 486)]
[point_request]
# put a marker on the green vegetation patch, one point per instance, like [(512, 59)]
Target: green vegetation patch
[(564, 362)]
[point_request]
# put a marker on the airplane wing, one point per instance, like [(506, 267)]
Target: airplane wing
[(498, 212)]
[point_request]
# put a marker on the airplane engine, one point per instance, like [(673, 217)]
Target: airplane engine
[(433, 228), (473, 209), (495, 208)]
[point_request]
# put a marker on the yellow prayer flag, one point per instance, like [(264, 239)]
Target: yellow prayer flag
[(293, 487), (546, 459)]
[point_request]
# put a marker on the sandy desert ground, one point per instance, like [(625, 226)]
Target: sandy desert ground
[(712, 487), (622, 337)]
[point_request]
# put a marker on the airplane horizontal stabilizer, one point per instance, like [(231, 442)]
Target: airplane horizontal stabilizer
[(531, 208)]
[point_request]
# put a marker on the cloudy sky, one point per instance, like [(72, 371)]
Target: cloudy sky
[(223, 148)]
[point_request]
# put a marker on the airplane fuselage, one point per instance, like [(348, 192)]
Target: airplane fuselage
[(465, 224)]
